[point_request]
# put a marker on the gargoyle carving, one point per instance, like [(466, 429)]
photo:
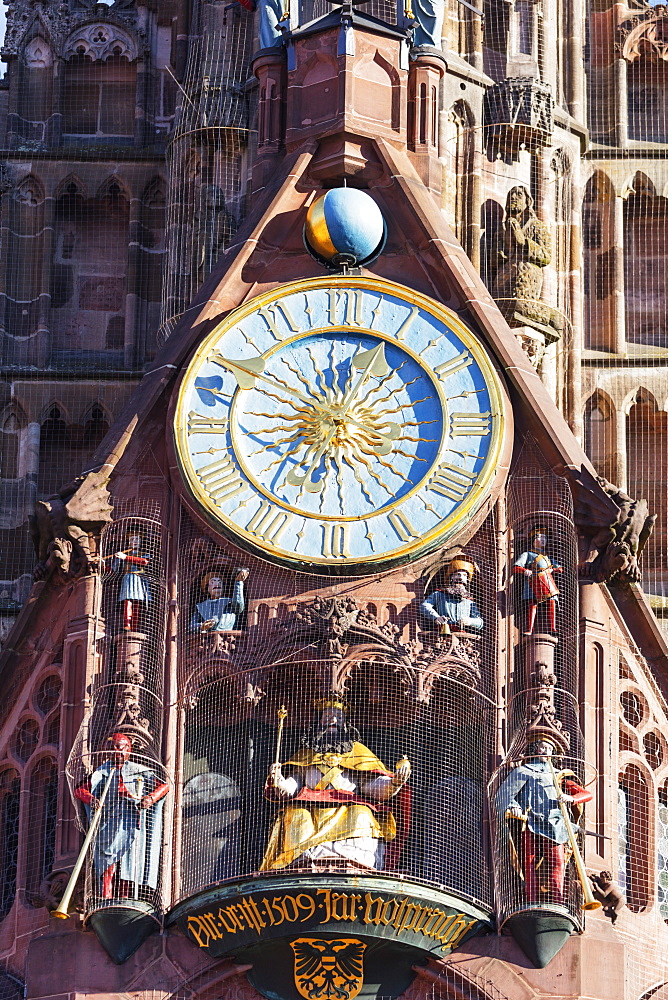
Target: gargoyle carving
[(614, 548), (64, 529)]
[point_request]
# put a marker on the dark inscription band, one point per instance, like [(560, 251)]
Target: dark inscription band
[(232, 917)]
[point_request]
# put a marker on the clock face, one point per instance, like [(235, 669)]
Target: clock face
[(346, 423)]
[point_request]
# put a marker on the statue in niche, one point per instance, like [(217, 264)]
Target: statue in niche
[(135, 591), (539, 570), (527, 249), (217, 613), (428, 27), (452, 608), (528, 800), (336, 796), (126, 854), (271, 15)]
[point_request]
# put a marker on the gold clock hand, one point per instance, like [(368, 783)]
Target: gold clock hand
[(247, 370), (374, 363)]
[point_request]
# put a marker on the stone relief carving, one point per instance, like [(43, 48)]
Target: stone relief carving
[(37, 54), (99, 42), (334, 635), (644, 36), (55, 20)]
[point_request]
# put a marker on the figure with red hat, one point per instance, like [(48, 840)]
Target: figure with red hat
[(540, 588), (452, 608), (530, 800), (126, 856)]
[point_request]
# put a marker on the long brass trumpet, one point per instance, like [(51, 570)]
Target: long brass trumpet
[(588, 903), (63, 907)]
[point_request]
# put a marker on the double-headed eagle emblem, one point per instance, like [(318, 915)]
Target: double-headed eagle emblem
[(328, 969)]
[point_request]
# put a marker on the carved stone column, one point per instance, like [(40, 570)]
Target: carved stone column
[(424, 85), (269, 68)]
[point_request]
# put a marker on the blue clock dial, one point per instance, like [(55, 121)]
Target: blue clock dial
[(342, 427), (340, 422)]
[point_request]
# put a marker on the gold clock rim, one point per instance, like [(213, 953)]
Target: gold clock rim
[(421, 545), (341, 518)]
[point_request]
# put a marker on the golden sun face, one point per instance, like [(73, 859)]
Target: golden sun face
[(350, 423)]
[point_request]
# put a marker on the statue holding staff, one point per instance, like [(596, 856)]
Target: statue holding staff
[(539, 806), (335, 795)]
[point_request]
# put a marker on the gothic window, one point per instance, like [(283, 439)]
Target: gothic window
[(10, 430), (654, 752), (635, 838), (647, 91), (99, 97), (647, 445), (662, 852), (524, 10), (42, 811), (622, 835), (600, 260), (48, 694), (599, 429), (10, 794), (632, 708), (25, 740), (54, 453), (95, 427), (89, 273), (646, 264)]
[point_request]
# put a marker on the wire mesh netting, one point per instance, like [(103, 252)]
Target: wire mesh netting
[(116, 778), (367, 686)]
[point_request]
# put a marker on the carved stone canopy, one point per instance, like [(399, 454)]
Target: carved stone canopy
[(99, 42), (54, 20), (644, 36), (519, 112)]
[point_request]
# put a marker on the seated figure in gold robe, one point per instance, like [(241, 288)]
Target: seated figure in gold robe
[(336, 794)]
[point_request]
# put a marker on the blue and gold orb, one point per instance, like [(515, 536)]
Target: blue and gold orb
[(344, 228)]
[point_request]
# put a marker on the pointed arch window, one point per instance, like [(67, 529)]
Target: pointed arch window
[(42, 814), (10, 795)]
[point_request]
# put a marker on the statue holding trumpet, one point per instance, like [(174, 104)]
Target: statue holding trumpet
[(540, 807), (124, 802), (335, 795)]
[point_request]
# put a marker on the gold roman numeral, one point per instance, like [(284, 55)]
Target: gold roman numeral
[(198, 424), (402, 525), (407, 323), (335, 541), (454, 365), (470, 424), (451, 481), (221, 480), (268, 523), (354, 307), (270, 315)]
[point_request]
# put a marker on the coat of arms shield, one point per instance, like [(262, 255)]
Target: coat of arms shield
[(328, 969)]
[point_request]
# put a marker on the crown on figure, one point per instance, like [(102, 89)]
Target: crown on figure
[(462, 564), (331, 702)]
